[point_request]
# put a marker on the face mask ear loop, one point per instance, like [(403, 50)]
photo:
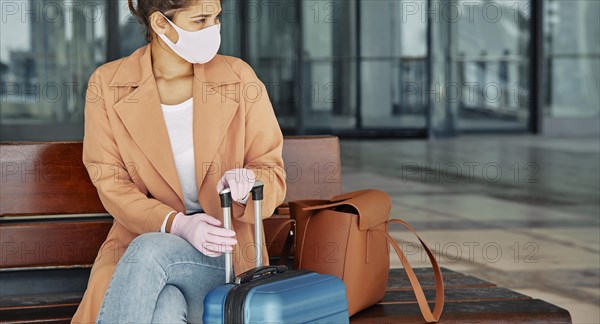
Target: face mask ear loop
[(177, 28)]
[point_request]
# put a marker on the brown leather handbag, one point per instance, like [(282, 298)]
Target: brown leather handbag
[(348, 236)]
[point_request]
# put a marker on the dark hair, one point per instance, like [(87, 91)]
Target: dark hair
[(144, 8)]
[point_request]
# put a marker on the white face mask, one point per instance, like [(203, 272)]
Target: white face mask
[(195, 47)]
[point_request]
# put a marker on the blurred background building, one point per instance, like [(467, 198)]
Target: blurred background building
[(353, 68)]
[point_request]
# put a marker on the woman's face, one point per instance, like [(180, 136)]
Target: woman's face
[(198, 15)]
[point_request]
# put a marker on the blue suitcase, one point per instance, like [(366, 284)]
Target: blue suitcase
[(273, 294)]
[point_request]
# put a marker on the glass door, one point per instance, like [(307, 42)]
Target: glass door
[(341, 66), (270, 43), (490, 54), (572, 61), (48, 51), (393, 54), (329, 65), (481, 66)]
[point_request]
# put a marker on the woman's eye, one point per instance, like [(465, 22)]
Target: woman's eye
[(203, 20)]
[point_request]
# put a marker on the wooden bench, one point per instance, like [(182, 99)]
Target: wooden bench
[(52, 224), (468, 300)]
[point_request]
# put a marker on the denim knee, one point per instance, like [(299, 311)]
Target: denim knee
[(152, 248)]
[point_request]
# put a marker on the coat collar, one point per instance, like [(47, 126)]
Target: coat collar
[(141, 113)]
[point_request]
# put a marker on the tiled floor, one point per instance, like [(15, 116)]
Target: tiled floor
[(521, 211)]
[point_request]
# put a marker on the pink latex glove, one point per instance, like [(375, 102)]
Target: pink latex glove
[(203, 232), (240, 181)]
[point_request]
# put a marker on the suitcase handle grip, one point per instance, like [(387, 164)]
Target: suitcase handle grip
[(260, 271), (226, 203)]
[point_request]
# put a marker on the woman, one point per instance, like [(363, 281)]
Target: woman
[(166, 128)]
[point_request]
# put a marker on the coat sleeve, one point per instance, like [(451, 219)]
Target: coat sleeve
[(263, 152), (119, 194)]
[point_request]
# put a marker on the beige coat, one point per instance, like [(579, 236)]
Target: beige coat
[(127, 152)]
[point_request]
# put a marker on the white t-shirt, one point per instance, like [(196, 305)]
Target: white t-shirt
[(178, 119)]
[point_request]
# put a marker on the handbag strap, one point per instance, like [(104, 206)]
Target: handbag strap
[(414, 281), (288, 243)]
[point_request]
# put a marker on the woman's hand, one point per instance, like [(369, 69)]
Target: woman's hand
[(203, 232), (240, 181)]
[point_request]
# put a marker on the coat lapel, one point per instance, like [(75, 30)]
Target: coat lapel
[(141, 113), (213, 112)]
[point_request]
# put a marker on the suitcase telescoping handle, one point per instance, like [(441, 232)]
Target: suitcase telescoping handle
[(226, 203)]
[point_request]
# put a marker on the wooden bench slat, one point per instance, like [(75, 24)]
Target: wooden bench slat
[(456, 295), (36, 300), (42, 178), (44, 244), (493, 312), (51, 314), (398, 280)]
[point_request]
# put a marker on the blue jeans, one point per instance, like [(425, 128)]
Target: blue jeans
[(161, 278)]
